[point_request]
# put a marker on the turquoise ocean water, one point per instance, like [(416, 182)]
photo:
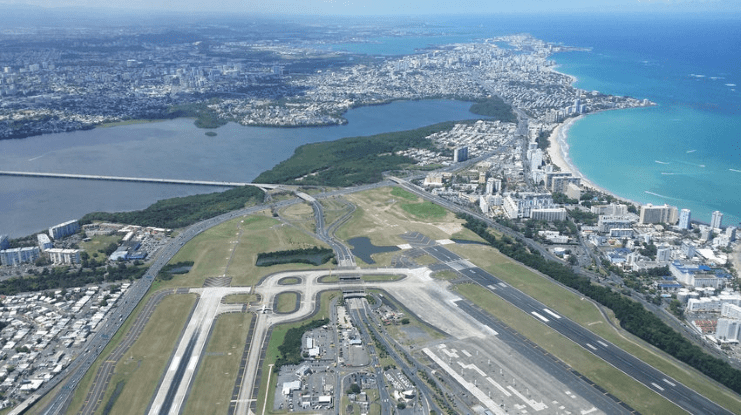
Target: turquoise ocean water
[(686, 151)]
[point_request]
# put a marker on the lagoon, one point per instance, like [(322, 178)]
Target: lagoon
[(173, 149)]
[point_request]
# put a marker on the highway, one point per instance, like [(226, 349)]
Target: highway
[(652, 378)]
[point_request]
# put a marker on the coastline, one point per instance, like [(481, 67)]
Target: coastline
[(558, 152)]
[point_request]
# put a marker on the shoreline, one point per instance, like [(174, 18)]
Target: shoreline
[(558, 152)]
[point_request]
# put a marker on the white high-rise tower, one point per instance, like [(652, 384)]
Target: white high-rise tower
[(717, 220)]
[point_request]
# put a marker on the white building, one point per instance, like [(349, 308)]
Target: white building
[(658, 214), (64, 229), (44, 242), (685, 217), (520, 205), (716, 220), (549, 215), (64, 256), (606, 223), (610, 210), (17, 256)]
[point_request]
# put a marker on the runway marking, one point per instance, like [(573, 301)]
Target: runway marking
[(503, 285), (465, 352), (657, 386), (500, 387), (538, 406), (491, 287), (669, 383), (603, 344), (588, 411), (551, 313), (471, 367), (591, 347), (545, 320)]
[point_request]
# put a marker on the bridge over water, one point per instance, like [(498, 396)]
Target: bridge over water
[(140, 179)]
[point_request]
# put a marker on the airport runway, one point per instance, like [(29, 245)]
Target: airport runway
[(652, 378)]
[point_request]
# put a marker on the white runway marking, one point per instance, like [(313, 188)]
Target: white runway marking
[(545, 320), (554, 315)]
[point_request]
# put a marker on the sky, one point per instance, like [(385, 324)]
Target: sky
[(395, 7)]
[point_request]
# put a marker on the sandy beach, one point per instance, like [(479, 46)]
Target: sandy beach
[(558, 151)]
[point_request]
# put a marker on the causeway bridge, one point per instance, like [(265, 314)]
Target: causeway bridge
[(141, 179)]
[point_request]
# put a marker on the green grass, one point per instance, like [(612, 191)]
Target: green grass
[(425, 210), (399, 192), (616, 382), (143, 365), (211, 250), (380, 217), (286, 302), (99, 243), (289, 281), (217, 372)]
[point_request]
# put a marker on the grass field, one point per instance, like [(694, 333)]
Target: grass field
[(424, 210), (212, 386), (240, 239), (289, 281), (276, 339), (286, 302), (98, 243), (381, 217), (301, 215), (334, 209), (619, 384), (588, 315), (399, 192), (141, 368)]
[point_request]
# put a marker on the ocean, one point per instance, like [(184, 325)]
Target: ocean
[(687, 150)]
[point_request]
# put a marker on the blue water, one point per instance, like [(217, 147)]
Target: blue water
[(173, 149), (683, 152)]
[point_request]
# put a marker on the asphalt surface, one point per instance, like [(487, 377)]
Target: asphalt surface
[(652, 378)]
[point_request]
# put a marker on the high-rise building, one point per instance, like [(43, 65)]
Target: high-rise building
[(658, 214), (490, 186), (15, 256), (717, 220), (685, 216), (64, 229), (4, 242), (460, 154)]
